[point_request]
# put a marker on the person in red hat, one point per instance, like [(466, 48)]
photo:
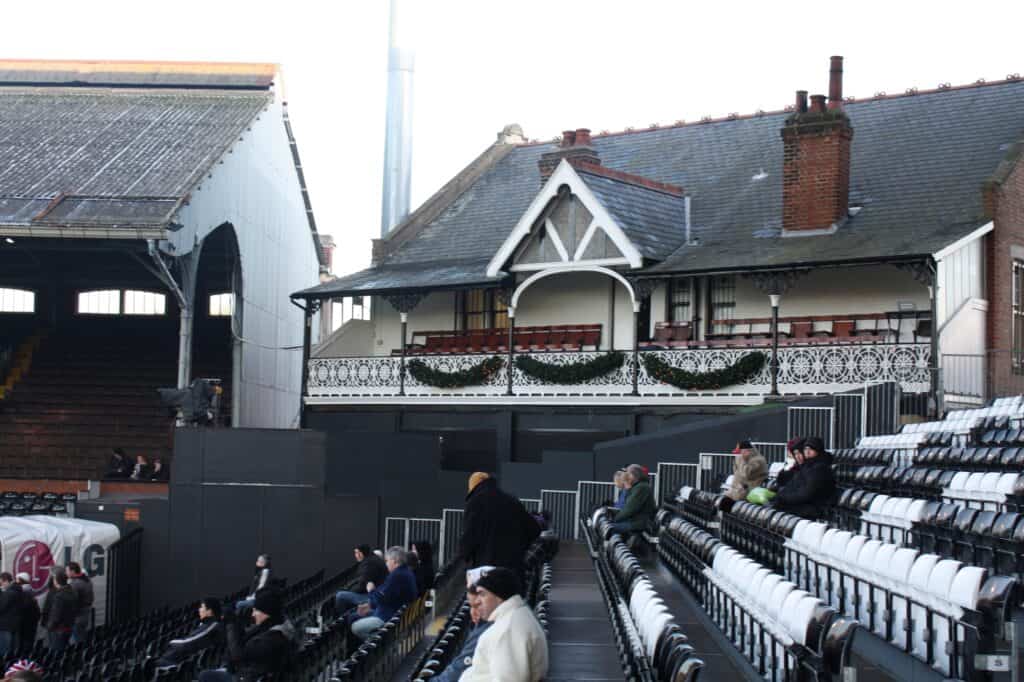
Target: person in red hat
[(795, 449)]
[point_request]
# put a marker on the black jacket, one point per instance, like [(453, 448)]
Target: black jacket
[(82, 586), (30, 616), (60, 609), (262, 651), (786, 475), (811, 488), (497, 528), (10, 608), (209, 633), (372, 569)]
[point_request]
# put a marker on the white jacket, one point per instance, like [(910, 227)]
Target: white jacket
[(514, 648)]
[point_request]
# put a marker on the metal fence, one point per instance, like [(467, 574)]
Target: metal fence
[(451, 534), (804, 422), (402, 531), (672, 476), (979, 378), (773, 452), (532, 505), (881, 408), (849, 419), (590, 495), (714, 469), (562, 505), (124, 580)]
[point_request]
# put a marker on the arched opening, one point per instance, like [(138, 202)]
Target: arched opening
[(217, 313)]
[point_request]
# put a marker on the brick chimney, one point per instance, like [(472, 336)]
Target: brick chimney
[(575, 147), (816, 160)]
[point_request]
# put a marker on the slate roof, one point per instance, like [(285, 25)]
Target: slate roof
[(653, 220), (122, 156), (918, 163)]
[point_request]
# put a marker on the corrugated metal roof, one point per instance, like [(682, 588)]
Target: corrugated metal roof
[(137, 73), (918, 163)]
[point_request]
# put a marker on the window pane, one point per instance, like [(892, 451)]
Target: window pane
[(143, 303), (100, 302), (723, 301), (222, 305), (679, 301), (17, 301)]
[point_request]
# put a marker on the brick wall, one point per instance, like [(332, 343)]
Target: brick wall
[(815, 171), (1006, 242)]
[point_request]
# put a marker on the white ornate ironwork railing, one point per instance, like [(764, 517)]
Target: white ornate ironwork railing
[(803, 370)]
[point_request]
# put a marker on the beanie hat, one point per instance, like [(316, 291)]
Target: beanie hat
[(269, 602), (815, 443), (24, 665), (24, 578), (476, 478), (501, 582), (364, 550), (742, 445), (794, 444)]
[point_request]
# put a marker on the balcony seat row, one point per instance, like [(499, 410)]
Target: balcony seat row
[(558, 337)]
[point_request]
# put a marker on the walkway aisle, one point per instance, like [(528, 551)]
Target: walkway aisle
[(722, 662), (581, 643)]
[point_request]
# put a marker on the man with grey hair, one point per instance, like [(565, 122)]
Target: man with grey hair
[(638, 511), (385, 600)]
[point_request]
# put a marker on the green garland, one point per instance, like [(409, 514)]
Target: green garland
[(739, 372), (473, 376), (572, 373)]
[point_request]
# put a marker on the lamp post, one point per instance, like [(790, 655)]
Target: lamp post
[(401, 369), (636, 347), (774, 364)]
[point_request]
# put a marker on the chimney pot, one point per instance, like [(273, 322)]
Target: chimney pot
[(801, 102), (582, 137), (817, 104), (568, 138), (835, 83)]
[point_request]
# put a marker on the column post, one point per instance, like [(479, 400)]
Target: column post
[(401, 366), (775, 298), (511, 347)]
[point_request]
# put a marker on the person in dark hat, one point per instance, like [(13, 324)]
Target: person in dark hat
[(263, 651), (795, 449), (749, 470), (514, 646), (813, 487)]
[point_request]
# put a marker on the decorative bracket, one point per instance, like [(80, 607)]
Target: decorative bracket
[(643, 287), (503, 296), (776, 282), (404, 303), (921, 270)]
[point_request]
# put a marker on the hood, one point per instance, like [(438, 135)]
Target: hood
[(287, 630), (484, 487)]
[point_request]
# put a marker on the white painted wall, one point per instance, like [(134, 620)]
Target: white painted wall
[(961, 277), (964, 333), (435, 312), (355, 337), (254, 187)]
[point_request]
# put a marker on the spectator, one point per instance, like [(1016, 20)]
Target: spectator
[(141, 470), (423, 551), (465, 657), (82, 586), (497, 528), (24, 671), (260, 580), (262, 651), (10, 613), (749, 470), (159, 472), (621, 490), (398, 590), (372, 571), (209, 633), (30, 614), (514, 648), (795, 450), (638, 512), (813, 487), (119, 466), (60, 609)]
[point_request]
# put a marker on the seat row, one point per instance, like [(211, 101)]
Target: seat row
[(657, 648), (784, 631), (973, 458)]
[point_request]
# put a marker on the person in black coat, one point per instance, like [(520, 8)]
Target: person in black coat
[(813, 487), (10, 612), (497, 529), (60, 609), (30, 614), (795, 447), (423, 551), (371, 573), (265, 651), (209, 633)]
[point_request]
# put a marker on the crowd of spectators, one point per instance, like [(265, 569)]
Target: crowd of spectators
[(121, 467)]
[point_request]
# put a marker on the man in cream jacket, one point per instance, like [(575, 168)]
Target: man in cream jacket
[(514, 648)]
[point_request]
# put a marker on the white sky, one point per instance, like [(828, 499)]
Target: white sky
[(545, 64)]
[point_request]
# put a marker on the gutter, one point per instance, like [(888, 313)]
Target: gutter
[(72, 231)]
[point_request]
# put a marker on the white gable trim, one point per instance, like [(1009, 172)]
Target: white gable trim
[(964, 241), (565, 174), (549, 227), (575, 265), (562, 269)]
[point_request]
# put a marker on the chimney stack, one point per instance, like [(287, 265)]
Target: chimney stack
[(816, 162), (575, 147), (835, 84)]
